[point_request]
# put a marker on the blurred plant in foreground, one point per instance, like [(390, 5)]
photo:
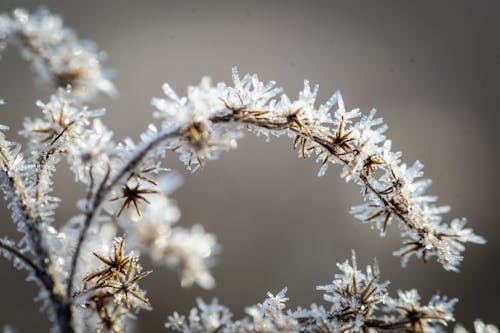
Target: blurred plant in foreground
[(89, 276)]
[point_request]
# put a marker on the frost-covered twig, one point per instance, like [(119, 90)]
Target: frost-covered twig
[(9, 250), (24, 216), (60, 311), (56, 54), (359, 302), (97, 199), (20, 203), (200, 125)]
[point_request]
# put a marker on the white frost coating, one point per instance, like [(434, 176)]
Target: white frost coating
[(359, 301)]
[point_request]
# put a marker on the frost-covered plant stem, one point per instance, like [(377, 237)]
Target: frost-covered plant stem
[(359, 302), (29, 222), (102, 192), (391, 188), (24, 259), (25, 212), (59, 303)]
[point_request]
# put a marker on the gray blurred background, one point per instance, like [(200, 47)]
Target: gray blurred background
[(431, 68)]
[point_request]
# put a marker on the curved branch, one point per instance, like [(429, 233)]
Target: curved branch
[(25, 260), (237, 115)]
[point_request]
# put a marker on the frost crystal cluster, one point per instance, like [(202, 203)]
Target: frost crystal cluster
[(88, 268), (56, 54), (358, 302)]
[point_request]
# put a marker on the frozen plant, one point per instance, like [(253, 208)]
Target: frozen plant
[(88, 269)]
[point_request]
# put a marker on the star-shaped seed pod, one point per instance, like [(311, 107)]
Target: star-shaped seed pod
[(118, 264), (132, 195)]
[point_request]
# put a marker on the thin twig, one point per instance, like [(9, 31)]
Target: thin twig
[(26, 260), (104, 189)]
